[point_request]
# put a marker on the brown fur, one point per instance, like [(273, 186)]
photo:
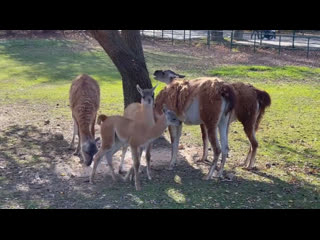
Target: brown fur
[(136, 133), (210, 92), (246, 107), (101, 118), (179, 94), (246, 112), (142, 113), (249, 109), (264, 101), (139, 112), (84, 97), (117, 131)]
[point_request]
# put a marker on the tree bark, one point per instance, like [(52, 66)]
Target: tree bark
[(133, 40), (127, 54)]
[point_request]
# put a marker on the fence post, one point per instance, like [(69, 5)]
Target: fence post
[(231, 40), (172, 38), (308, 47), (279, 43), (208, 39), (254, 43), (189, 37), (293, 37), (184, 35)]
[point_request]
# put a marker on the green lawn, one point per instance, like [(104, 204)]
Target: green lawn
[(39, 72), (268, 73)]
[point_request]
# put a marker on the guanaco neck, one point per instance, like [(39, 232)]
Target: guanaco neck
[(147, 111), (157, 129), (85, 133)]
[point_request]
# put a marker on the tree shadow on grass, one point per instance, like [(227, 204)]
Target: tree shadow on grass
[(279, 148), (184, 188), (306, 154), (30, 160), (59, 61)]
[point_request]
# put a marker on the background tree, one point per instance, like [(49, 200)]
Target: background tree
[(126, 52)]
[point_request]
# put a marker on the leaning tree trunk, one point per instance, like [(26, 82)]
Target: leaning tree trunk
[(127, 54)]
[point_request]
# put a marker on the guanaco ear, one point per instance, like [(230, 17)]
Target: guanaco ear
[(139, 90)]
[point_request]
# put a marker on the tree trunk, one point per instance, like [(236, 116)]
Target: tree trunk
[(238, 35), (127, 54), (217, 35), (133, 40)]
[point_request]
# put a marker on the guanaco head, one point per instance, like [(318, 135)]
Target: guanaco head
[(147, 95), (171, 116), (166, 76), (89, 149)]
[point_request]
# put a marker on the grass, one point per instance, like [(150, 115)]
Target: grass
[(38, 72), (274, 73), (31, 74)]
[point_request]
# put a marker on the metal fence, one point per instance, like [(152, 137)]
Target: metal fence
[(186, 36), (305, 45)]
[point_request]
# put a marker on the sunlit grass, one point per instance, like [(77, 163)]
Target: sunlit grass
[(277, 73), (176, 195)]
